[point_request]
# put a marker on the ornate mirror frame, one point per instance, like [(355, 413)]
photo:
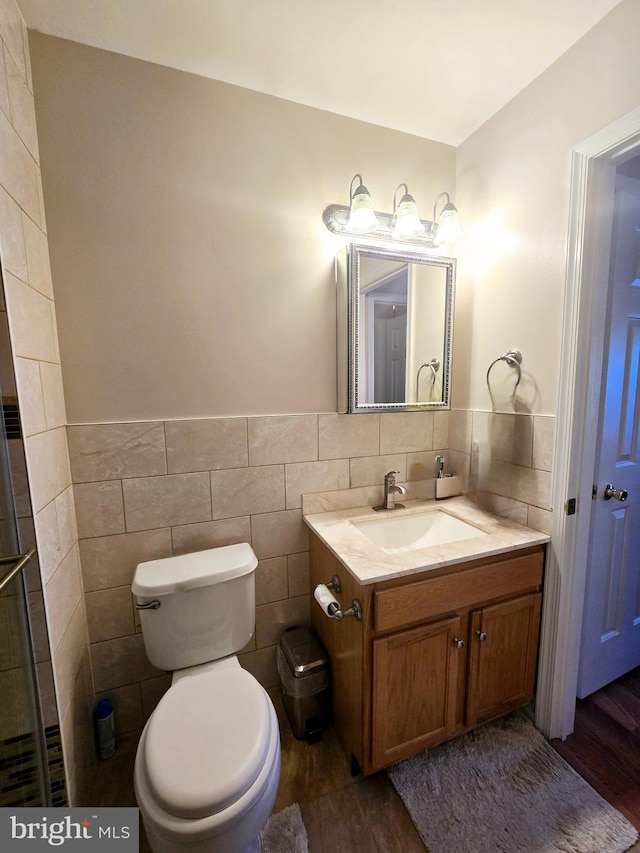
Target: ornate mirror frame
[(350, 360)]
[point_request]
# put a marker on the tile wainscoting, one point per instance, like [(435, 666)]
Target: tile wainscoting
[(152, 489)]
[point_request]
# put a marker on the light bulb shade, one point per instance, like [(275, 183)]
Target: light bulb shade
[(362, 219), (449, 228), (407, 224)]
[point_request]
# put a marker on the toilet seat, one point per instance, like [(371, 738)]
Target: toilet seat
[(207, 742)]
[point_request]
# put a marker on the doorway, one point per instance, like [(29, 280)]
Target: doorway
[(610, 644), (593, 175)]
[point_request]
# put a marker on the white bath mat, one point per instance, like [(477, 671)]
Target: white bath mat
[(502, 788), (285, 832)]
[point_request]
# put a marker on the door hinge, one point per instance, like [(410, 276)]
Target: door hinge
[(570, 506)]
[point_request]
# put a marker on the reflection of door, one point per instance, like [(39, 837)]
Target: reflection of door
[(396, 361), (611, 626), (389, 350)]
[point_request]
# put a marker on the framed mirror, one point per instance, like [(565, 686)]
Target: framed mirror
[(395, 328)]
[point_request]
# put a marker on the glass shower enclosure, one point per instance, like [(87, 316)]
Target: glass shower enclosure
[(31, 771)]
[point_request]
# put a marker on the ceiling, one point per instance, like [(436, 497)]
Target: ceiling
[(431, 68)]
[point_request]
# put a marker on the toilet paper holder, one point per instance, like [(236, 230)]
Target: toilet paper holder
[(334, 609)]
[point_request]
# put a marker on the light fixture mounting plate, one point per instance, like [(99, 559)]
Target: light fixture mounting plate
[(336, 218)]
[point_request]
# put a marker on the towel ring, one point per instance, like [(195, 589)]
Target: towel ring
[(514, 359), (434, 364)]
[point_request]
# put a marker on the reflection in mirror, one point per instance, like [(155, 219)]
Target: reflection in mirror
[(395, 315)]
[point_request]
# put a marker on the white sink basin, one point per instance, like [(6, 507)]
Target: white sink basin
[(408, 532)]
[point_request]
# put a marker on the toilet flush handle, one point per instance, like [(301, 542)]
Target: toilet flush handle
[(150, 605)]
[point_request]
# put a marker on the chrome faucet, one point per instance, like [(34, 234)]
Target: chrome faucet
[(390, 491)]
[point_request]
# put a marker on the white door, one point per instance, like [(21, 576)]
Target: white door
[(611, 627), (397, 358)]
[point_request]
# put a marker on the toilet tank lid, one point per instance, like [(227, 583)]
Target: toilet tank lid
[(191, 571)]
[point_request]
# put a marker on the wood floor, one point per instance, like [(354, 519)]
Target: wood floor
[(605, 745), (366, 815)]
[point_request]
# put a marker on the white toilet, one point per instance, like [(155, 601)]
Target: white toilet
[(208, 762)]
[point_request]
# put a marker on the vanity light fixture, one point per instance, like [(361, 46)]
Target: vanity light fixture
[(406, 222), (403, 225), (362, 219), (447, 228)]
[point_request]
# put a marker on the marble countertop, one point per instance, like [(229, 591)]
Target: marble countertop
[(369, 563)]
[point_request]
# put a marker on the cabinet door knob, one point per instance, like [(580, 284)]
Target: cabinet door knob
[(459, 644), (482, 635)]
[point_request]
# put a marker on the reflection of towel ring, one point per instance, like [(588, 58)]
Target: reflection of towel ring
[(434, 364), (514, 359)]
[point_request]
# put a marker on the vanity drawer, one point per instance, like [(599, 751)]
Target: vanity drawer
[(425, 599)]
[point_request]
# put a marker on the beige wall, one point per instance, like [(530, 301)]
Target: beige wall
[(513, 188), (32, 322), (193, 272)]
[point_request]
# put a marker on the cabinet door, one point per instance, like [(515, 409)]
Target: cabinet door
[(503, 645), (415, 675)]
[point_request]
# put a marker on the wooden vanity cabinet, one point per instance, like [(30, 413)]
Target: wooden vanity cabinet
[(436, 653)]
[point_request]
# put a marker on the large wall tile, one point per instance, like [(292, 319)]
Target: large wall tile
[(441, 429), (32, 411), (99, 508), (119, 662), (4, 88), (543, 442), (271, 580), (286, 438), (14, 254), (342, 436), (110, 561), (23, 113), (371, 470), (32, 332), (274, 534), (66, 518), (206, 445), (460, 430), (48, 466), (164, 501), (11, 31), (72, 655), (114, 451), (298, 572), (524, 484), (505, 437), (152, 690), (273, 619), (540, 519), (63, 594), (37, 258), (210, 534), (18, 170), (305, 477), (422, 466), (262, 665), (109, 614), (53, 393), (48, 536), (247, 491), (403, 432)]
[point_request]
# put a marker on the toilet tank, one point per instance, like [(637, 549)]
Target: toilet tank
[(202, 605)]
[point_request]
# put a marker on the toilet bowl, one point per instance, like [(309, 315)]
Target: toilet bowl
[(208, 761)]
